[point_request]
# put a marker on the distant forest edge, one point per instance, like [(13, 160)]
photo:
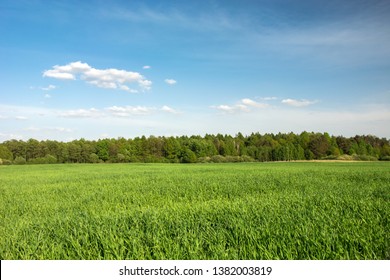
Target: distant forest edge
[(210, 148)]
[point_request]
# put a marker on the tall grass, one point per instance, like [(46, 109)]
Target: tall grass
[(211, 211)]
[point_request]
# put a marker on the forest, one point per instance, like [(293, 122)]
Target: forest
[(209, 148)]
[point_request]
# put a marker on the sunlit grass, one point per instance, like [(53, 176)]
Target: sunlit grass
[(210, 211)]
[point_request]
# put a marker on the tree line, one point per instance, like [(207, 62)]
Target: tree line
[(208, 148)]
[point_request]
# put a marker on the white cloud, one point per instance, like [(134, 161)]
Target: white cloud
[(56, 74), (298, 103), (47, 95), (168, 109), (225, 108), (21, 118), (8, 136), (61, 129), (104, 78), (103, 84), (81, 113), (126, 88), (146, 67), (231, 109), (170, 81), (50, 87), (128, 111), (251, 103), (145, 84), (269, 98), (48, 129), (115, 111), (244, 105)]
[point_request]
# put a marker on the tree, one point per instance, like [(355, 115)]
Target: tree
[(385, 151), (74, 151), (20, 160), (121, 158), (5, 153), (300, 152), (263, 153), (319, 145), (63, 153), (267, 147), (187, 156), (87, 148), (171, 149), (17, 148), (32, 149), (102, 150), (93, 158)]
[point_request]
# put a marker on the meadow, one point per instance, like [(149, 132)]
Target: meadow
[(300, 210)]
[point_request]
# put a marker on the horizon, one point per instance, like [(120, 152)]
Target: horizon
[(97, 70)]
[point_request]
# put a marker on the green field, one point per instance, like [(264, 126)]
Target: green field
[(200, 211)]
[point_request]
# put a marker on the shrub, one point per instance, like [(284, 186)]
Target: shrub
[(331, 157), (48, 159), (345, 157), (6, 162), (247, 159), (152, 159), (233, 159), (20, 160), (364, 158), (121, 157), (204, 159), (188, 156), (93, 158), (218, 159), (134, 159)]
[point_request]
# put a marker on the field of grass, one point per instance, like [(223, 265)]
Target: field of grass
[(200, 211)]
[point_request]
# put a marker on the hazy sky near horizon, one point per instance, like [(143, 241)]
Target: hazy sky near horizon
[(97, 69)]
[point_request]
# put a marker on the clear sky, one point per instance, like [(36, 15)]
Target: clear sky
[(97, 69)]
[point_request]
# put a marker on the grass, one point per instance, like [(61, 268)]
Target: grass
[(211, 211)]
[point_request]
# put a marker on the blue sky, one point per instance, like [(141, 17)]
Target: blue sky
[(97, 69)]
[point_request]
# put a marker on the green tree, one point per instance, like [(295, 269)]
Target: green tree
[(5, 153), (17, 148), (171, 149), (74, 151), (319, 145), (102, 149), (93, 158), (32, 149), (87, 148), (20, 160), (187, 156)]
